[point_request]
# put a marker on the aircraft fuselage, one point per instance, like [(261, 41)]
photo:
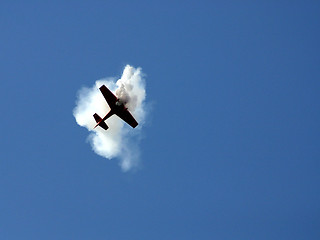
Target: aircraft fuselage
[(116, 107)]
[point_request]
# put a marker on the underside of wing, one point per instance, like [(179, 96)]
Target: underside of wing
[(128, 118), (108, 95)]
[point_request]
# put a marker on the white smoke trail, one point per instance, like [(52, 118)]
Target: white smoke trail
[(120, 140)]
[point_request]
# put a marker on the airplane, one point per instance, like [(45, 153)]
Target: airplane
[(116, 107)]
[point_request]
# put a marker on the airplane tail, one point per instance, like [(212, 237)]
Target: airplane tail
[(100, 122)]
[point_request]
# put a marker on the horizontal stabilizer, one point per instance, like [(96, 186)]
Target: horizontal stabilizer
[(100, 122)]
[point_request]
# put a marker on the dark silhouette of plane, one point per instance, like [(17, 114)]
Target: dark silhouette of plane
[(117, 107)]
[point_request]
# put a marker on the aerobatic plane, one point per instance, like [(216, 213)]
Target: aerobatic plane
[(116, 107)]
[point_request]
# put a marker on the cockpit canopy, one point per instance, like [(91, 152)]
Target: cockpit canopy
[(119, 103)]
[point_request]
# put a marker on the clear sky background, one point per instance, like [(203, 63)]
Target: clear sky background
[(231, 147)]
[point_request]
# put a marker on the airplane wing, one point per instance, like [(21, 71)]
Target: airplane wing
[(108, 95), (128, 118)]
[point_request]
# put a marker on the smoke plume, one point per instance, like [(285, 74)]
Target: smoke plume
[(120, 140)]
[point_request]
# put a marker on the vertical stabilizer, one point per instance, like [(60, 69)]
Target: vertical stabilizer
[(100, 122)]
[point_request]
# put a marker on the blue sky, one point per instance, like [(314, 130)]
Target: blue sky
[(230, 148)]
